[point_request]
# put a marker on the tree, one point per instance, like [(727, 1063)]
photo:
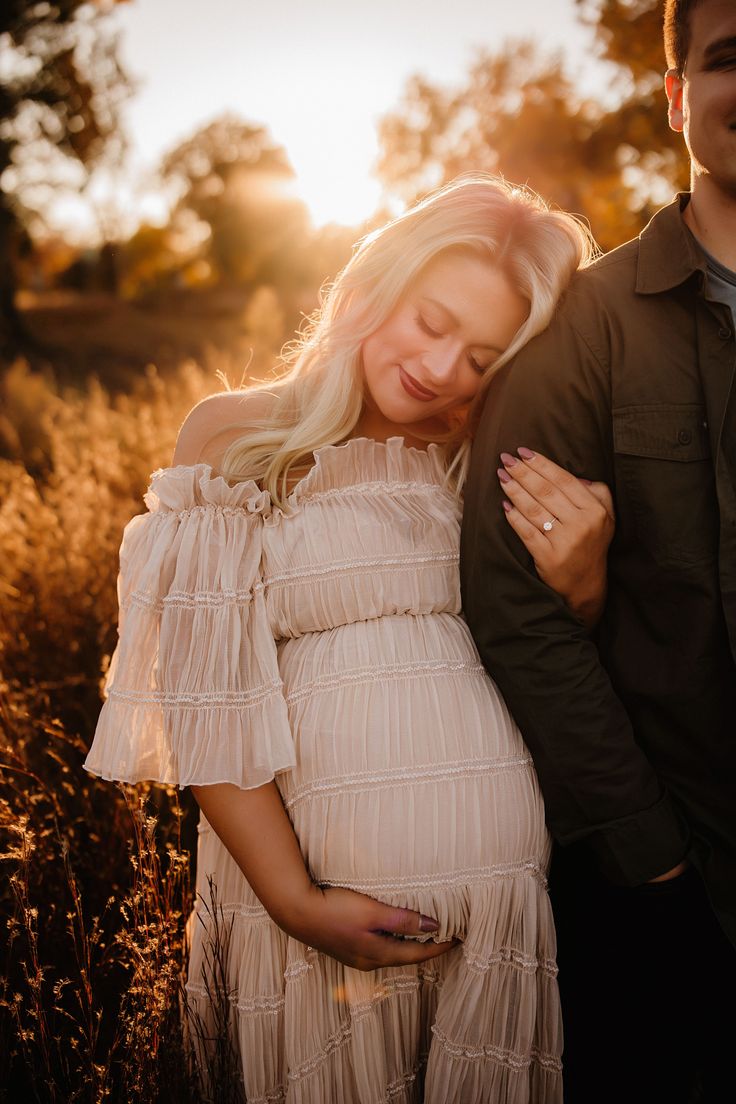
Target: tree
[(519, 114), (60, 106), (235, 192), (629, 36)]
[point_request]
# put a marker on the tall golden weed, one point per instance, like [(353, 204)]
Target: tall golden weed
[(96, 878)]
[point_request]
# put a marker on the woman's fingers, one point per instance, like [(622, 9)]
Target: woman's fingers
[(565, 523), (538, 511), (406, 952), (401, 921), (602, 492), (387, 950), (545, 493), (536, 471), (531, 491), (531, 534)]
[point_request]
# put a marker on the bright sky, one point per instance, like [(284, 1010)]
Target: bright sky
[(318, 75)]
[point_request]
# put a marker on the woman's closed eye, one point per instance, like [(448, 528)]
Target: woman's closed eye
[(424, 325)]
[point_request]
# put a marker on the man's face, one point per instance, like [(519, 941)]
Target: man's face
[(703, 99)]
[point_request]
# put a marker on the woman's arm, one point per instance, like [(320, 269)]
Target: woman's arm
[(570, 554), (354, 929)]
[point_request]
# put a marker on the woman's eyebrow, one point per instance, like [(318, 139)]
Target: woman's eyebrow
[(448, 312), (442, 307)]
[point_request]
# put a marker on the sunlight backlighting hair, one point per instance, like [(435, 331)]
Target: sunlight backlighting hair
[(319, 400), (677, 15)]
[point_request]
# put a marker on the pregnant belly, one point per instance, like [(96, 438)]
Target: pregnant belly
[(411, 776)]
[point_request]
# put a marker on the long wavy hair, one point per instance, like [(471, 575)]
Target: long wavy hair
[(319, 399)]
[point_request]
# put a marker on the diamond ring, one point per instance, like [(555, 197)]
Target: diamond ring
[(548, 525)]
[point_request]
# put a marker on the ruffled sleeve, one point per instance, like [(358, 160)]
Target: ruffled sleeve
[(193, 694)]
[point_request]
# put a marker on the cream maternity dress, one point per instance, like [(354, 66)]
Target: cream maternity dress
[(323, 645)]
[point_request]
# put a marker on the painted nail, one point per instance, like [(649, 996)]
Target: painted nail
[(525, 453), (427, 924), (507, 506), (507, 460), (503, 475), (587, 482)]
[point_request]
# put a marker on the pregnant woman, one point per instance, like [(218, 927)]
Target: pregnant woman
[(292, 647)]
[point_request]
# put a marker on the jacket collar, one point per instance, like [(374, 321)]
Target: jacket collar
[(668, 253)]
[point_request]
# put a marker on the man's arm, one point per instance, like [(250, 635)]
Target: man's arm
[(597, 783)]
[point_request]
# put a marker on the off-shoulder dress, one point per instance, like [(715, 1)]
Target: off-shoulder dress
[(323, 645)]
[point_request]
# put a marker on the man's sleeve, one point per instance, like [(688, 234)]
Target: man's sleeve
[(597, 783)]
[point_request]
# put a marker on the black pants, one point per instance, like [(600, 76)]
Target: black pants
[(648, 987)]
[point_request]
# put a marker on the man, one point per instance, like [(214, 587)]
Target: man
[(633, 727)]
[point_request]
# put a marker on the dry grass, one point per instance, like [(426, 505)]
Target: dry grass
[(96, 878)]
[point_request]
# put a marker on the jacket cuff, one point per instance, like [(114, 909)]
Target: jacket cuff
[(640, 847)]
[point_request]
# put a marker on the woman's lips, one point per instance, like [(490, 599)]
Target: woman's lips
[(413, 388)]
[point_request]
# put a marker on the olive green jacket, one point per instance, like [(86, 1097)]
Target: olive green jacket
[(633, 730)]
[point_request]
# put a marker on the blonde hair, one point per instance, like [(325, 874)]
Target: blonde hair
[(319, 400)]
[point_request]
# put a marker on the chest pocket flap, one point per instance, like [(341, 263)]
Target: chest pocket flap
[(662, 432)]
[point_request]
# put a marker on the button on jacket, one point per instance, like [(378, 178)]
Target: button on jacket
[(632, 728)]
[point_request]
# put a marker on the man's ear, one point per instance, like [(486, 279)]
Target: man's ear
[(673, 84)]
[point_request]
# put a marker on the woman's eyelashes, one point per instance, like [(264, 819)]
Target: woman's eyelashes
[(424, 325), (432, 332)]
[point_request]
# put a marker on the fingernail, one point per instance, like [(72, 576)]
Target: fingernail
[(507, 505), (587, 482), (525, 453), (503, 475), (507, 460), (427, 924)]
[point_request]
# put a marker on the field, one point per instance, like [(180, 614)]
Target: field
[(97, 878)]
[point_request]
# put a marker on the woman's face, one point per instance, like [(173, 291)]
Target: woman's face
[(431, 353)]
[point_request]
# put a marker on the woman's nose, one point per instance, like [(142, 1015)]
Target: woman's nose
[(439, 363)]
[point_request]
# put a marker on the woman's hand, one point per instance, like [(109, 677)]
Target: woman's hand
[(566, 524), (356, 930), (360, 931)]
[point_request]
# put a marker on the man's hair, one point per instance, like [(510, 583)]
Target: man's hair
[(677, 31)]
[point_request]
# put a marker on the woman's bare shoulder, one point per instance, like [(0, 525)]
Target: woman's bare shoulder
[(216, 422)]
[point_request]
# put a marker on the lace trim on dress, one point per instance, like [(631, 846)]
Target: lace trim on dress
[(296, 970), (382, 563), (196, 599), (367, 781), (242, 910), (397, 1087), (206, 508), (215, 699), (488, 1052), (266, 1005), (509, 956), (378, 487), (252, 914), (273, 1096), (471, 876), (334, 1042), (380, 673), (390, 987)]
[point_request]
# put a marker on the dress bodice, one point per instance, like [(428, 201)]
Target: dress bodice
[(371, 531)]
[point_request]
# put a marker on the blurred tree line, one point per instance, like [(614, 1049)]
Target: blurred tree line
[(236, 220), (61, 90), (611, 158)]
